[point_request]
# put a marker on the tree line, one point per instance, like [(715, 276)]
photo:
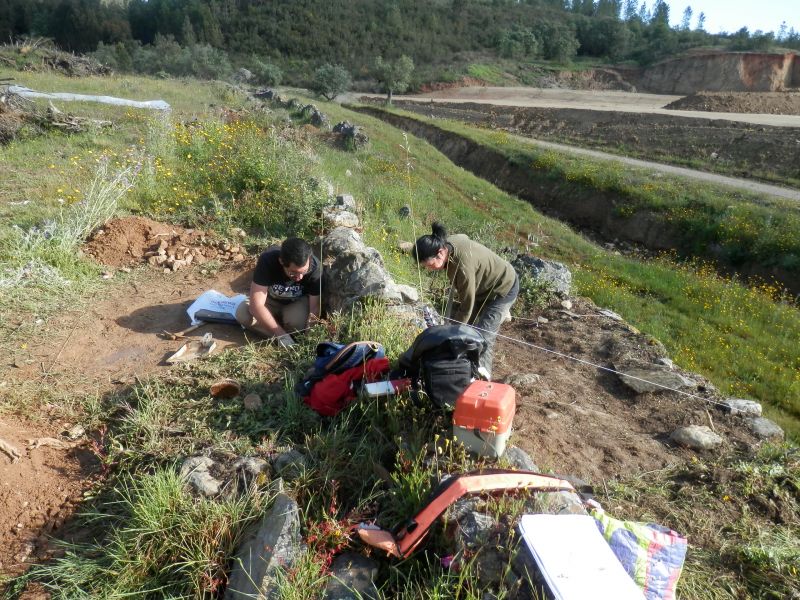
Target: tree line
[(299, 35)]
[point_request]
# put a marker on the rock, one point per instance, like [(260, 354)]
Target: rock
[(666, 362), (519, 459), (195, 471), (265, 94), (225, 388), (542, 320), (405, 247), (696, 437), (521, 380), (243, 75), (404, 212), (566, 304), (556, 503), (459, 509), (351, 137), (653, 378), (275, 546), (609, 313), (474, 529), (348, 173), (354, 271), (75, 432), (334, 217), (408, 313), (346, 202), (252, 401), (290, 464), (553, 273), (319, 119), (739, 406), (490, 564), (352, 578), (401, 293), (251, 465), (765, 429), (340, 241)]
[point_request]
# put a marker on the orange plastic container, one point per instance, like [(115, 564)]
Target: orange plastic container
[(483, 417)]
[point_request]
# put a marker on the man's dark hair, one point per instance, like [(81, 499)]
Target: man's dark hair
[(295, 251)]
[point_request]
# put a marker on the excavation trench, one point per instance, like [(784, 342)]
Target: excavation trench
[(585, 208)]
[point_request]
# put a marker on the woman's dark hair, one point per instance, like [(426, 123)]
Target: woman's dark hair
[(295, 251), (428, 246)]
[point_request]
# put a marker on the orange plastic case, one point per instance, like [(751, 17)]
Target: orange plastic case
[(483, 417)]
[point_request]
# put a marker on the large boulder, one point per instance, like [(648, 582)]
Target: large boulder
[(644, 377), (354, 271), (554, 274), (275, 546), (350, 137)]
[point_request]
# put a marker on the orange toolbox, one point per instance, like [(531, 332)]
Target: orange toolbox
[(483, 417)]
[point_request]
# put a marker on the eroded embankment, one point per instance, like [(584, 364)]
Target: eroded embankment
[(606, 214)]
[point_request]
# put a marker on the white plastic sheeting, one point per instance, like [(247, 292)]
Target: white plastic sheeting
[(28, 93)]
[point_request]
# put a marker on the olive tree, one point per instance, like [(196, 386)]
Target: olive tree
[(393, 75), (330, 81)]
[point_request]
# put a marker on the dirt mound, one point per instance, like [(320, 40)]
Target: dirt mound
[(38, 491), (773, 103), (583, 421), (129, 241)]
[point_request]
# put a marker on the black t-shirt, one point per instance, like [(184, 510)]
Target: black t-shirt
[(269, 273)]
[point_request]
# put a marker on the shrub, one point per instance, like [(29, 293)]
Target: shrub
[(330, 81), (267, 73)]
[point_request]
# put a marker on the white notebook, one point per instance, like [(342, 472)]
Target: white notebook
[(575, 560)]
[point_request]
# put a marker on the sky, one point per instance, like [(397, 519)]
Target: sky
[(732, 15)]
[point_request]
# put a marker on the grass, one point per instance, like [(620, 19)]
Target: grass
[(744, 542), (741, 337), (147, 537)]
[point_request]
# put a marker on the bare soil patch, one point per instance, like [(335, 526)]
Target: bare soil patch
[(38, 492), (583, 421), (772, 103)]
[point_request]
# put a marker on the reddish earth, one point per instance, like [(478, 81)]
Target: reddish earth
[(129, 241), (38, 492)]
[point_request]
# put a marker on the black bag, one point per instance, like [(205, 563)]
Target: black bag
[(443, 360)]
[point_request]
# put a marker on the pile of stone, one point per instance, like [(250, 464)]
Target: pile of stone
[(173, 254), (315, 116), (349, 136)]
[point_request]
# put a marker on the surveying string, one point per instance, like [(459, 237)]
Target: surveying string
[(586, 362)]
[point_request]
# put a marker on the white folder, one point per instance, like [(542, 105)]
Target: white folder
[(575, 560)]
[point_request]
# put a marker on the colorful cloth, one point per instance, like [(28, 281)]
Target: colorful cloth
[(651, 554)]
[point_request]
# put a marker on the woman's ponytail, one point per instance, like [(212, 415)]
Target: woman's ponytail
[(428, 246)]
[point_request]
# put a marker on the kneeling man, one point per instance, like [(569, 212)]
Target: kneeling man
[(284, 295)]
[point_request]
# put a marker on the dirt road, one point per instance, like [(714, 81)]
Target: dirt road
[(591, 100), (733, 182)]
